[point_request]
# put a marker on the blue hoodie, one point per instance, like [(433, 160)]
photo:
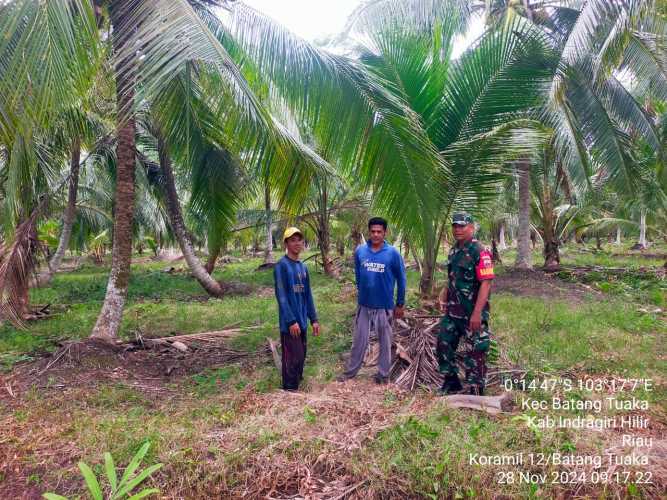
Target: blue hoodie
[(295, 299), (377, 273)]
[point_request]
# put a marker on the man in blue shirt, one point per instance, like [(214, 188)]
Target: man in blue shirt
[(378, 268), (295, 308)]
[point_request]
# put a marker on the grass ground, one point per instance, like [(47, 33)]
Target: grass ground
[(230, 431)]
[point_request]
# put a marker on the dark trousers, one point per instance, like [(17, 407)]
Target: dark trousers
[(452, 330), (293, 359)]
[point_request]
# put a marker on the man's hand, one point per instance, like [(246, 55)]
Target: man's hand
[(399, 312), (475, 322), (316, 328), (295, 330)]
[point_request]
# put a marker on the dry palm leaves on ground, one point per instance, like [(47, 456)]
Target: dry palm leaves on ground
[(156, 359), (414, 353)]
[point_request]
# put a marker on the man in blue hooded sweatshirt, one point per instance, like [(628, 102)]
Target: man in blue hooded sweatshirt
[(378, 269)]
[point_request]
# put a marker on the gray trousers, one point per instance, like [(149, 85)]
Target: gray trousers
[(367, 320)]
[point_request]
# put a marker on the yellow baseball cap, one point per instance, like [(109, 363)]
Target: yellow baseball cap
[(291, 231)]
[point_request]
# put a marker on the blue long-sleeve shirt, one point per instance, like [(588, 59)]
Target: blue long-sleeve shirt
[(377, 273), (295, 298)]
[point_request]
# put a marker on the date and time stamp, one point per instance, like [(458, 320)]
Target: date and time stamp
[(587, 404)]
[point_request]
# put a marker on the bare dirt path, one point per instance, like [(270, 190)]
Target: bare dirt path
[(547, 286)]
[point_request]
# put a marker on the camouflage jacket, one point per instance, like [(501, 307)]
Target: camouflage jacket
[(468, 266)]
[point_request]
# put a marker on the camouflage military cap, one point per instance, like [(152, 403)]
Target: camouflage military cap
[(462, 219)]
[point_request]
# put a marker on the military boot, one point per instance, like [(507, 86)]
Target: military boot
[(451, 385)]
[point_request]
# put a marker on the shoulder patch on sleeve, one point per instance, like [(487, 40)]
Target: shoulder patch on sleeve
[(484, 269)]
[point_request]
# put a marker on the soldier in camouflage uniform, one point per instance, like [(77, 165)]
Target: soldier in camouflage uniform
[(465, 304)]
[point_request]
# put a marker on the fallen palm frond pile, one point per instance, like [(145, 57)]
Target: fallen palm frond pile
[(147, 357), (181, 342), (414, 353), (416, 362), (208, 349)]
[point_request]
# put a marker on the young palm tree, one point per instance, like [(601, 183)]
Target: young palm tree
[(464, 111), (329, 194), (360, 125), (585, 105), (78, 130), (468, 108)]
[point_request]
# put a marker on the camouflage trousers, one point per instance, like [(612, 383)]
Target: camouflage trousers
[(452, 330)]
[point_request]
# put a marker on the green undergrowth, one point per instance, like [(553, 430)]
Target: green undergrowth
[(644, 287), (601, 336)]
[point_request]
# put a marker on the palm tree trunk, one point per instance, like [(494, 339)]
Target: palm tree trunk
[(325, 249), (551, 243), (524, 256), (213, 254), (495, 254), (68, 216), (642, 228), (108, 322), (551, 255), (268, 253), (323, 230), (211, 286), (357, 237), (411, 249), (618, 236), (501, 237), (428, 265), (427, 274)]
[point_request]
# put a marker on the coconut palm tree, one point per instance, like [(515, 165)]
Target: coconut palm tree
[(584, 45), (78, 130), (355, 121), (329, 194), (151, 42), (40, 42), (588, 108), (468, 107), (462, 112)]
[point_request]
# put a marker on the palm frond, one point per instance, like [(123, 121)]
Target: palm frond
[(422, 15), (50, 48), (17, 263), (353, 120)]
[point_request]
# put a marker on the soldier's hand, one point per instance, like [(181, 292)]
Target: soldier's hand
[(316, 328), (295, 330), (442, 305), (475, 322), (399, 312)]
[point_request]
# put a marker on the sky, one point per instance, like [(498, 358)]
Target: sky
[(316, 19), (310, 19)]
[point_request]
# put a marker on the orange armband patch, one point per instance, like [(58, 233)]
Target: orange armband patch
[(484, 269)]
